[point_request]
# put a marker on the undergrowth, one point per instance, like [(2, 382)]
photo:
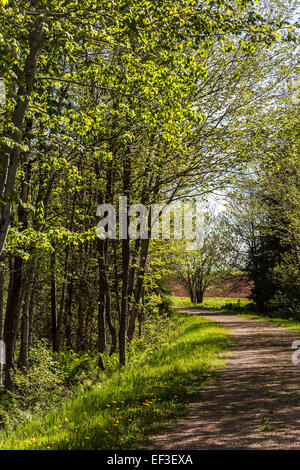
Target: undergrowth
[(134, 402)]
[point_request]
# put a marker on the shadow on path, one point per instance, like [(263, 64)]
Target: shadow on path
[(253, 403)]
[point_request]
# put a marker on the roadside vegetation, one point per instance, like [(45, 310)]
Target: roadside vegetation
[(53, 377), (211, 303), (140, 142), (134, 402), (241, 307)]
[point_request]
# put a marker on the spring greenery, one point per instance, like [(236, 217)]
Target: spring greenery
[(132, 403)]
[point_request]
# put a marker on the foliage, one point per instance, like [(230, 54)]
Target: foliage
[(39, 388), (51, 378), (134, 402), (155, 101), (264, 217), (210, 263), (286, 300), (76, 367)]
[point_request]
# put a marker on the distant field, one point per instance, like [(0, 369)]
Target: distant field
[(236, 286)]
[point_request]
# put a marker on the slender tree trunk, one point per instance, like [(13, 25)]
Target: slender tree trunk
[(80, 326), (125, 269), (101, 299), (68, 315), (141, 313), (110, 325), (10, 164), (88, 344), (54, 304), (133, 267), (31, 311), (116, 280), (2, 280), (61, 310), (25, 323), (138, 288), (11, 321), (189, 285), (24, 349), (124, 302)]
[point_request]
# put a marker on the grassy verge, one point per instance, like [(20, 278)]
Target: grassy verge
[(238, 307), (290, 324), (134, 402), (211, 303)]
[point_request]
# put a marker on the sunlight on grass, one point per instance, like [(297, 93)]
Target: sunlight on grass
[(233, 306), (283, 322), (134, 402), (211, 303)]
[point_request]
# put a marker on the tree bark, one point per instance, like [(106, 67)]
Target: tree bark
[(124, 302), (80, 326), (138, 288), (11, 321), (141, 313), (2, 280), (54, 304), (24, 349), (68, 314), (11, 162), (125, 269), (31, 311), (101, 299)]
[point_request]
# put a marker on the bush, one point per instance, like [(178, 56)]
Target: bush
[(110, 363), (52, 377), (158, 330), (38, 388), (286, 301), (76, 367)]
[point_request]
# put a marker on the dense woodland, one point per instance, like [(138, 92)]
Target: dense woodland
[(157, 101)]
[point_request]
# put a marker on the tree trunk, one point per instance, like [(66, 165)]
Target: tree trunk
[(10, 164), (101, 299), (199, 296), (141, 313), (54, 304), (138, 288), (31, 309), (116, 280), (192, 296), (68, 315), (110, 324), (80, 326), (11, 321), (125, 268), (133, 267), (24, 349), (2, 279), (25, 323), (124, 302)]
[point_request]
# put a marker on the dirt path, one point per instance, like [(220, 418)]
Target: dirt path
[(253, 403)]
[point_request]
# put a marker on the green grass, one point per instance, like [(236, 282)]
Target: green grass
[(234, 306), (133, 403), (211, 303), (290, 324)]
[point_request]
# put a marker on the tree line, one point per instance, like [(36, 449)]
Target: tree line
[(150, 100)]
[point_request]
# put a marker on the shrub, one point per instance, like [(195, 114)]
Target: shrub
[(37, 388), (76, 367)]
